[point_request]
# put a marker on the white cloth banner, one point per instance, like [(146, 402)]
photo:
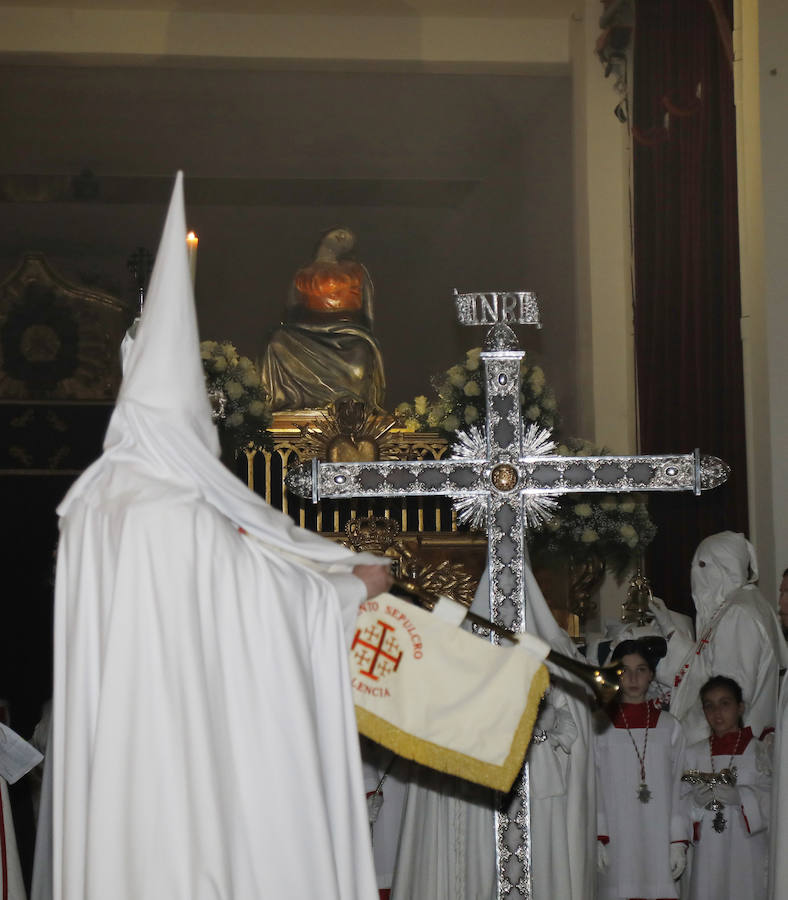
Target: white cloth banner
[(443, 697)]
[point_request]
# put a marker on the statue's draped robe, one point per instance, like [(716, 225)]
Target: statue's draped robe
[(326, 349), (204, 744)]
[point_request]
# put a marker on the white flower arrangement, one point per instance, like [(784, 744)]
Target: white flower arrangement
[(460, 401), (615, 527), (240, 403)]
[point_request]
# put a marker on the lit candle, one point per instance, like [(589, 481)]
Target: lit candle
[(191, 246)]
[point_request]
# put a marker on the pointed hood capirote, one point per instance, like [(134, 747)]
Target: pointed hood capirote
[(163, 375), (161, 427)]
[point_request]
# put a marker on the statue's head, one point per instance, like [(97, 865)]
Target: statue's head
[(338, 240)]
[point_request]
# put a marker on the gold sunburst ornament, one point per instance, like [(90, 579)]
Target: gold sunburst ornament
[(349, 430)]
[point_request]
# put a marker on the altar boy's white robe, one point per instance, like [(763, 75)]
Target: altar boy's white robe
[(732, 864), (640, 834), (204, 744)]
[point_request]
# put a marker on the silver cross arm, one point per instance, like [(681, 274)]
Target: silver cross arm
[(528, 475)]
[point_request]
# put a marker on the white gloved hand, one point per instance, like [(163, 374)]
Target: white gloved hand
[(662, 616), (727, 794), (602, 861), (701, 795), (564, 731), (678, 859), (547, 717)]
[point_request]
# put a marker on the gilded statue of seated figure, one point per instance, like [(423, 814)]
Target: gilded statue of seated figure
[(325, 349)]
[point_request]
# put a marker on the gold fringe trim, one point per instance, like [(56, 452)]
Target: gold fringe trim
[(451, 761)]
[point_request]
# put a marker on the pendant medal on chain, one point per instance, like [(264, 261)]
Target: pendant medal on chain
[(719, 822), (643, 792)]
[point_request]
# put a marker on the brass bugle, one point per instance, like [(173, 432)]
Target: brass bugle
[(604, 681)]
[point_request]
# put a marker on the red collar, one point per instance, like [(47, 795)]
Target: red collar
[(635, 714), (727, 744)]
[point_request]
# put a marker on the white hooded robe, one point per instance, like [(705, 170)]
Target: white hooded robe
[(17, 758), (204, 744), (738, 635), (447, 845)]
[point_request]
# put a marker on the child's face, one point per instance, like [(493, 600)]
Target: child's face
[(722, 710), (635, 678)]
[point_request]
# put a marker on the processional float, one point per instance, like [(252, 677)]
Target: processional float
[(506, 477)]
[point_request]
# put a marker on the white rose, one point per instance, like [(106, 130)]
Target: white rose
[(435, 413), (472, 359), (233, 389), (230, 353)]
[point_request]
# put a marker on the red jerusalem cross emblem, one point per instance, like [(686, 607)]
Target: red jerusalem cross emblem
[(377, 651)]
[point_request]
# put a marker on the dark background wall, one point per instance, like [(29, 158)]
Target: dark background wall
[(448, 180)]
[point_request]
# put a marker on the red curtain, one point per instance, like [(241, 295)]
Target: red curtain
[(687, 297)]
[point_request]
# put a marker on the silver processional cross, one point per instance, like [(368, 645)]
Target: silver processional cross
[(509, 478)]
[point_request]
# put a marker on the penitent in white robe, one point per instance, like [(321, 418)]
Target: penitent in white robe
[(732, 864), (447, 845), (640, 834), (204, 743), (17, 758), (778, 826), (738, 635)]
